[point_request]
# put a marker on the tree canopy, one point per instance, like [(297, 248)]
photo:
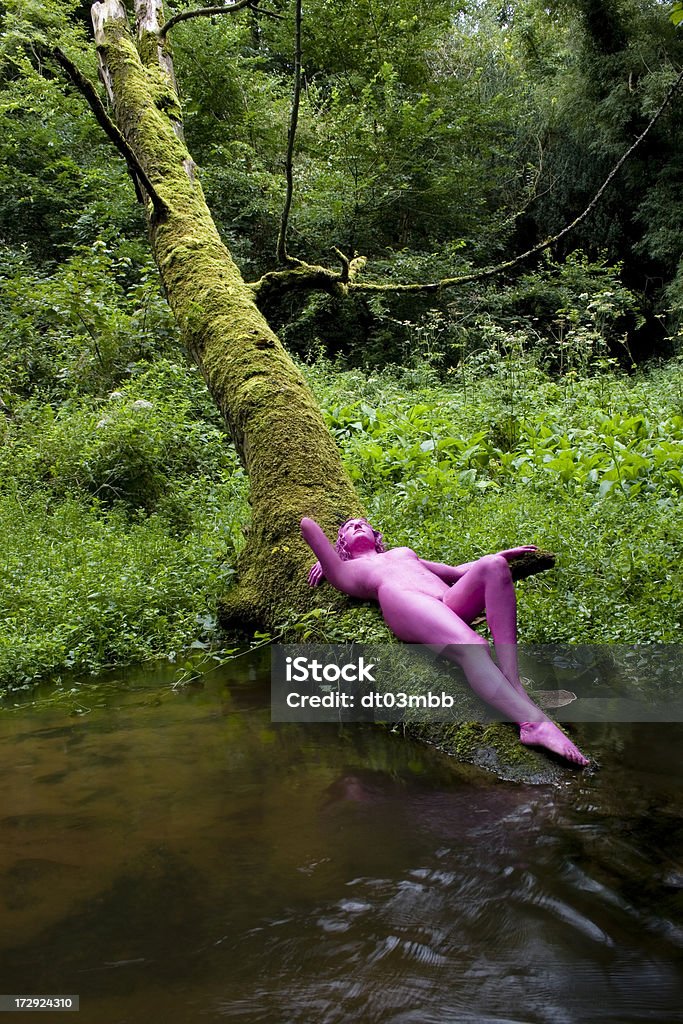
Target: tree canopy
[(433, 139)]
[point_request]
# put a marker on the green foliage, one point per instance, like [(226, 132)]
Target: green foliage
[(434, 141), (604, 67), (81, 328), (236, 115), (61, 183), (83, 588), (590, 467), (418, 451), (119, 524), (398, 157), (574, 314), (430, 141), (143, 447)]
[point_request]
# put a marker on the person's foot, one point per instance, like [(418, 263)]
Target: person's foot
[(547, 734)]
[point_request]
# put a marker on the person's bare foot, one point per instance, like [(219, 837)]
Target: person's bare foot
[(547, 734)]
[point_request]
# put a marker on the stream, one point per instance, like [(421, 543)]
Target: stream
[(170, 854)]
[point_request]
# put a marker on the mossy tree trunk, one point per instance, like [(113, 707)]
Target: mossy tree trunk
[(292, 461)]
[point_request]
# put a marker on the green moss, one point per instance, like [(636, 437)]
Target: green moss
[(494, 747), (307, 277), (293, 462)]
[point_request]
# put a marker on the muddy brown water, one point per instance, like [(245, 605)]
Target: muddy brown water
[(173, 856)]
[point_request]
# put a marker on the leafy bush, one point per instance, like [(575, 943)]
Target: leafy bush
[(574, 315), (81, 329), (119, 522), (143, 445)]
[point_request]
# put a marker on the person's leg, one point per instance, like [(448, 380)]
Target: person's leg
[(535, 728), (488, 681), (419, 619), (488, 585)]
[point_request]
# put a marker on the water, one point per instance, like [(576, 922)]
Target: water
[(174, 856)]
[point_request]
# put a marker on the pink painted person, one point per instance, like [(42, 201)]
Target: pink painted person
[(433, 604)]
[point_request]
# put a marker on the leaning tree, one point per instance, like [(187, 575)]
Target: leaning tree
[(291, 459)]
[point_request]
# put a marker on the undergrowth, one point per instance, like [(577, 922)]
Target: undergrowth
[(121, 517), (119, 521)]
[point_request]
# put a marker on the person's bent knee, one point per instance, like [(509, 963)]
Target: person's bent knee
[(497, 565)]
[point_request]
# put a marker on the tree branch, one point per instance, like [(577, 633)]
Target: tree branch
[(210, 12), (298, 277), (350, 268), (90, 94), (479, 275), (310, 278), (281, 250)]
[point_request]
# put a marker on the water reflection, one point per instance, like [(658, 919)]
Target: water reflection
[(174, 855)]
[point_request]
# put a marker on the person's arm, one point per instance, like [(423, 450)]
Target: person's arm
[(448, 573), (452, 573), (514, 552), (333, 568)]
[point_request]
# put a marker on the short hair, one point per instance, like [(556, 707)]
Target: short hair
[(341, 548)]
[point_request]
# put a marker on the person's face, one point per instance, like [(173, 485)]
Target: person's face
[(358, 535)]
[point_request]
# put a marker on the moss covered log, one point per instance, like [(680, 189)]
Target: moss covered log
[(291, 459)]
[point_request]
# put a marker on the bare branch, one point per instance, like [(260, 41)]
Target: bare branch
[(210, 12), (479, 275), (350, 267), (89, 92), (203, 12), (266, 13), (345, 264), (305, 277), (281, 251)]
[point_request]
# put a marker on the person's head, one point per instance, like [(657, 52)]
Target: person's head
[(357, 534)]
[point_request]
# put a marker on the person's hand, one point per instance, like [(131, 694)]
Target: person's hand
[(315, 575), (513, 552)]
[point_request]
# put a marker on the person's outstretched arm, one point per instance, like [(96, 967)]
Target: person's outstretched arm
[(452, 573), (334, 569), (448, 573)]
